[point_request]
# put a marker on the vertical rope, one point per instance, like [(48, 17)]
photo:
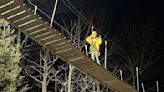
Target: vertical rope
[(121, 74), (105, 61), (137, 75), (143, 88), (86, 50), (157, 85), (53, 14)]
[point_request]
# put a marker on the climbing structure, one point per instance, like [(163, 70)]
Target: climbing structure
[(21, 17)]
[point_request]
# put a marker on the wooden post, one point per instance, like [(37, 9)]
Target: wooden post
[(157, 85), (137, 75), (86, 50), (35, 9), (121, 74), (53, 14), (143, 88), (105, 61)]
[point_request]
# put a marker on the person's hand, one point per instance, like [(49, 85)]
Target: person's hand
[(92, 27)]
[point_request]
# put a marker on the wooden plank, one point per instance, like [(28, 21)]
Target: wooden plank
[(71, 55), (39, 33), (5, 3), (120, 86), (19, 16), (63, 47), (90, 69), (13, 17), (64, 50), (41, 37), (50, 44), (29, 25), (8, 7), (54, 38), (66, 53), (48, 37), (35, 29), (12, 12), (74, 58), (25, 19), (60, 43), (81, 61)]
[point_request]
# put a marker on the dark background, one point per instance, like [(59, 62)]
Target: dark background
[(109, 14)]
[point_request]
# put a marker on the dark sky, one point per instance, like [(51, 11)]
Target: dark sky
[(137, 8)]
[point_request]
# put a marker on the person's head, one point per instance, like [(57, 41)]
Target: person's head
[(94, 34)]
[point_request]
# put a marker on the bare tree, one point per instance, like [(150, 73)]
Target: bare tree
[(43, 72), (135, 46)]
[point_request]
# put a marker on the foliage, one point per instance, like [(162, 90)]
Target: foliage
[(10, 78)]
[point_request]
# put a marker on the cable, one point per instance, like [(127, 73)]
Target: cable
[(79, 12), (50, 18), (73, 9), (76, 13)]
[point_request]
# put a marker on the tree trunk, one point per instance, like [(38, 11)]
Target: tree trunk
[(98, 86), (94, 86), (45, 74), (69, 78), (44, 85)]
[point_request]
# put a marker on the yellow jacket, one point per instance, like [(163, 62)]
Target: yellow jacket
[(94, 43)]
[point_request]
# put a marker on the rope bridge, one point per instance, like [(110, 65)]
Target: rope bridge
[(22, 17)]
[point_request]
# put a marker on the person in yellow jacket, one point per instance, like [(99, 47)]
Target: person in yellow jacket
[(95, 43)]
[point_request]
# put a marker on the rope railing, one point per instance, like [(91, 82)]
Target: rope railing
[(39, 11)]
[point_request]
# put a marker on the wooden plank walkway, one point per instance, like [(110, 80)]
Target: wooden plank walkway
[(21, 17)]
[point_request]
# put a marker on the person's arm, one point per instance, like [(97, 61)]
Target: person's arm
[(99, 40), (89, 39)]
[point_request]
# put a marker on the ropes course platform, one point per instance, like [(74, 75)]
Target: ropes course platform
[(20, 16)]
